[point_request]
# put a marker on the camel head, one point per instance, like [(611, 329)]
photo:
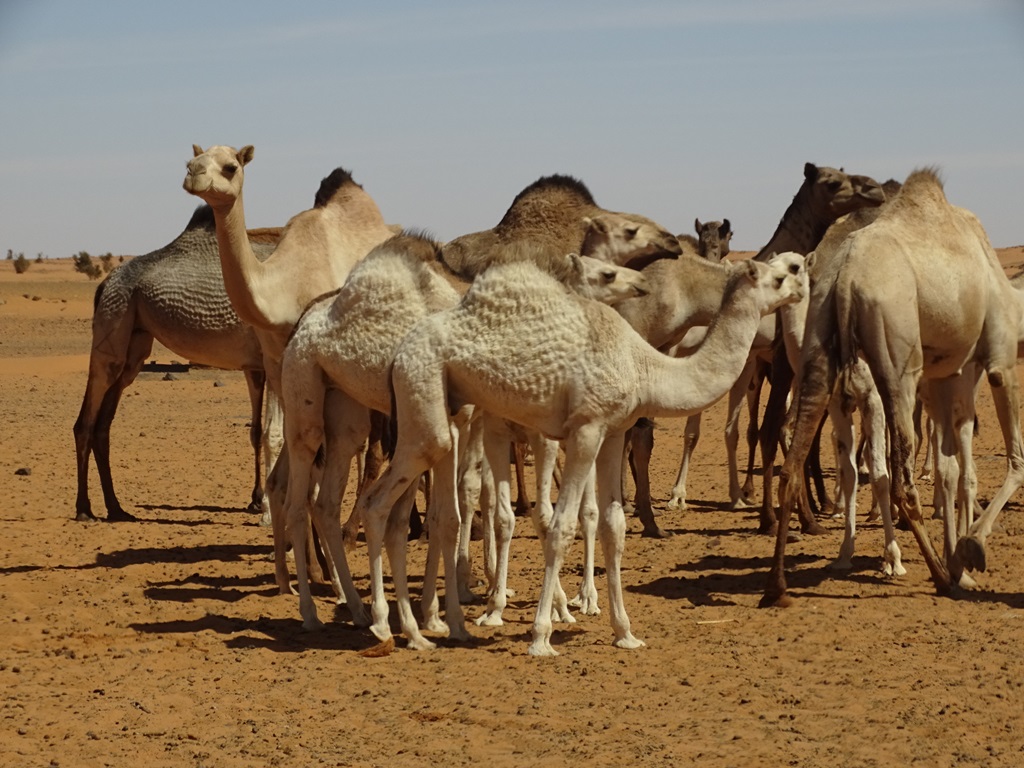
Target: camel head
[(216, 175), (608, 283), (627, 240), (713, 238), (836, 193), (779, 281)]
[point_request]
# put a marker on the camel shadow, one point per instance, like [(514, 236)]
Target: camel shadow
[(146, 555)]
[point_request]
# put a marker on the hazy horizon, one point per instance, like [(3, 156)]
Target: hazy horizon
[(676, 110)]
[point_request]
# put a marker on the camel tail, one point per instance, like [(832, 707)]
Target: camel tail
[(389, 435)]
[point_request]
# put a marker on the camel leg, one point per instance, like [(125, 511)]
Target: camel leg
[(753, 395), (273, 443), (470, 488), (109, 376), (445, 525), (642, 444), (691, 434), (843, 431), (586, 598), (875, 454), (370, 464), (522, 508), (739, 497), (502, 517), (612, 530), (1003, 382), (255, 381), (580, 451), (546, 462)]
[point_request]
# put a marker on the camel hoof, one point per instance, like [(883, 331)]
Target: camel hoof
[(677, 503), (893, 570), (840, 566), (359, 615), (629, 642), (120, 516), (489, 619), (383, 648), (459, 634), (740, 503), (971, 553), (655, 533), (766, 529), (434, 624), (312, 624), (814, 529), (586, 604), (541, 648), (85, 517), (421, 644), (967, 581), (562, 615), (776, 601)]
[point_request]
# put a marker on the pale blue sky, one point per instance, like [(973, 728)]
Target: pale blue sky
[(445, 110)]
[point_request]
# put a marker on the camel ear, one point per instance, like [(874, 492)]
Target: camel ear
[(631, 231), (809, 260), (696, 225), (245, 154), (725, 229), (196, 150), (750, 269), (598, 225), (810, 171)]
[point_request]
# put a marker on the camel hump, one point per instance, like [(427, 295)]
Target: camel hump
[(330, 185), (202, 218), (556, 184)]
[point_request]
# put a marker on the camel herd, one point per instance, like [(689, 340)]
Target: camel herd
[(567, 328)]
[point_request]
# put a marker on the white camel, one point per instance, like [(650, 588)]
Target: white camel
[(522, 347)]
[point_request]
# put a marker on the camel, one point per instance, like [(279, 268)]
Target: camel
[(919, 295), (317, 251), (824, 195), (569, 368), (712, 240), (552, 214), (176, 295)]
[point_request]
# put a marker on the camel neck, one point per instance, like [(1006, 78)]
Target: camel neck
[(243, 272), (800, 229), (684, 386)]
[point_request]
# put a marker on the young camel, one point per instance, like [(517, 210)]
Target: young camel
[(345, 343), (176, 295), (711, 242), (317, 251), (566, 367), (920, 296), (825, 195)]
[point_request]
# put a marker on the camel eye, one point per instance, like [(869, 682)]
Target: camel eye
[(608, 276), (794, 269), (834, 186), (230, 169)]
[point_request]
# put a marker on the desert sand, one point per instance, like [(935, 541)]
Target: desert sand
[(163, 643)]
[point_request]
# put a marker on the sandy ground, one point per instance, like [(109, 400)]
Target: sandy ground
[(162, 643)]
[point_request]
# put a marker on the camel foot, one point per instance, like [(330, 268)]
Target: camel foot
[(775, 601), (541, 647), (255, 507), (629, 508), (120, 516), (489, 619), (967, 581), (434, 624), (459, 634), (893, 569), (971, 552), (840, 565), (266, 521), (813, 528), (629, 642), (677, 503), (768, 529), (359, 615), (383, 648), (561, 614), (586, 604), (312, 624), (86, 517), (740, 503), (420, 643), (654, 532)]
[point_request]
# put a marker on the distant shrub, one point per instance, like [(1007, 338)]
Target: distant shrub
[(10, 255), (21, 264), (107, 260), (39, 258), (84, 264)]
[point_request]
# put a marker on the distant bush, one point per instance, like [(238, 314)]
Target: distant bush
[(10, 255), (107, 260), (39, 258), (21, 264), (84, 264)]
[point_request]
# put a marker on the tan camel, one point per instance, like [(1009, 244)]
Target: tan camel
[(317, 250), (919, 295), (569, 368), (176, 295), (552, 214), (825, 195)]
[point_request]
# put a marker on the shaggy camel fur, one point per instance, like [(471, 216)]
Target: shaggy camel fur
[(919, 295), (176, 295), (551, 214), (824, 196), (566, 367), (317, 250)]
